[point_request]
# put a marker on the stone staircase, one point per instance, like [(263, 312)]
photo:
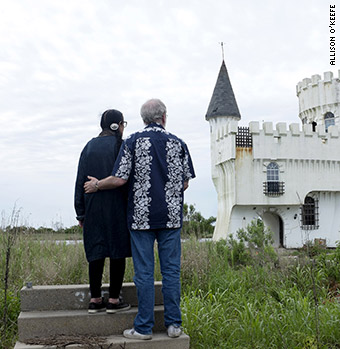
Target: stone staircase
[(57, 317)]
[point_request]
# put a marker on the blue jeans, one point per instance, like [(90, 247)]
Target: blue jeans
[(169, 251)]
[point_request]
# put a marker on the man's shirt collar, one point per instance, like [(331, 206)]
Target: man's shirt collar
[(154, 124)]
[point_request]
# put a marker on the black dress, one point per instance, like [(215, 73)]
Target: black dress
[(104, 212)]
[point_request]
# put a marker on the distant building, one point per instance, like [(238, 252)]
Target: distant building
[(287, 176)]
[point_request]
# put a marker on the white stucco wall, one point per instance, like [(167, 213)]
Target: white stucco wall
[(308, 161), (318, 96)]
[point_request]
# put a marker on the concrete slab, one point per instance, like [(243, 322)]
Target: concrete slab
[(159, 340), (79, 322), (74, 297)]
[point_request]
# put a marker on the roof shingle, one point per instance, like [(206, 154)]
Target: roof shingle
[(223, 102)]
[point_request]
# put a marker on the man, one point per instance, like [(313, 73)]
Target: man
[(158, 167)]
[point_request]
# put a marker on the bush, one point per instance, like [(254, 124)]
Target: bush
[(74, 230), (259, 241)]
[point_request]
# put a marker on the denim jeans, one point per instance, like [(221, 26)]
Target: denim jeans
[(169, 251)]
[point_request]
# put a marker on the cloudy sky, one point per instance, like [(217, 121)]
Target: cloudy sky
[(62, 63)]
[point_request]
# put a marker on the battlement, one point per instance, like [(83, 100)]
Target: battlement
[(317, 97), (309, 83), (293, 130), (280, 130), (294, 143), (281, 141)]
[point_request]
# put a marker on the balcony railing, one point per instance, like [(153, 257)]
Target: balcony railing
[(273, 188)]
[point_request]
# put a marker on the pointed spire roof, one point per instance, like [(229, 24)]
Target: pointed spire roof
[(223, 102)]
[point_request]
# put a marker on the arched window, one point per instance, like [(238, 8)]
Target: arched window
[(329, 120), (273, 178), (272, 186), (273, 172), (310, 214)]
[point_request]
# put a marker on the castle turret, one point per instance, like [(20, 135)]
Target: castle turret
[(223, 115), (319, 100)]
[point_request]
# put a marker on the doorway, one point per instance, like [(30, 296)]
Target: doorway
[(274, 222)]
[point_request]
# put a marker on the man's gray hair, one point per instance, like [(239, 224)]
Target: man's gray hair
[(152, 110)]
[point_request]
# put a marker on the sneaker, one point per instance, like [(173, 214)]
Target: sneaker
[(114, 308), (133, 334), (96, 307), (174, 331)]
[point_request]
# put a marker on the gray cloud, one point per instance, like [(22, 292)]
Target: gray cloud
[(63, 63)]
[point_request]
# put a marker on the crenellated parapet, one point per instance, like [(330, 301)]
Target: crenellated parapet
[(293, 142), (317, 97), (282, 141), (293, 130), (300, 153)]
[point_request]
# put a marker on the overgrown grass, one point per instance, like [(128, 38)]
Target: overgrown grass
[(232, 296), (246, 303)]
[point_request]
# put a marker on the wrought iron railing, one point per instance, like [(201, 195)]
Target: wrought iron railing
[(273, 188)]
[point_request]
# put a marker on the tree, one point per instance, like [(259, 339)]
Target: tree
[(194, 224)]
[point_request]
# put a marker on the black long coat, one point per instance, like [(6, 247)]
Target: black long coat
[(104, 212)]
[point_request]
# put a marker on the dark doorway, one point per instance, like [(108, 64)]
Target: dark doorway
[(281, 232)]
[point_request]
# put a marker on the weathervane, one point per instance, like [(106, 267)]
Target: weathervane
[(222, 43)]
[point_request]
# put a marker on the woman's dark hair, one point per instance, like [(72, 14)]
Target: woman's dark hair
[(110, 123)]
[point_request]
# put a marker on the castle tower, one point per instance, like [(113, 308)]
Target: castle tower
[(223, 115), (319, 101)]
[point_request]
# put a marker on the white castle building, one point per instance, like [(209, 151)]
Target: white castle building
[(288, 175)]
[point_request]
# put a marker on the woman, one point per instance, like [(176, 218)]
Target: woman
[(103, 214)]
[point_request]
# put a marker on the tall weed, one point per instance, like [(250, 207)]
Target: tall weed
[(231, 296)]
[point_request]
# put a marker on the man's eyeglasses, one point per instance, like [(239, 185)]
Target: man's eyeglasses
[(124, 123)]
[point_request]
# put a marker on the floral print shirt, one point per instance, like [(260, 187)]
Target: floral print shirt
[(156, 164)]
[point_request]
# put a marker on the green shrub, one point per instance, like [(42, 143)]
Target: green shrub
[(259, 241), (74, 230), (237, 252)]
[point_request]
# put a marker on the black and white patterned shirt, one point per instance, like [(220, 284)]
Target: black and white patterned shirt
[(156, 163)]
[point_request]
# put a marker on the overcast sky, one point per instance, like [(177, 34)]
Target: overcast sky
[(62, 63)]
